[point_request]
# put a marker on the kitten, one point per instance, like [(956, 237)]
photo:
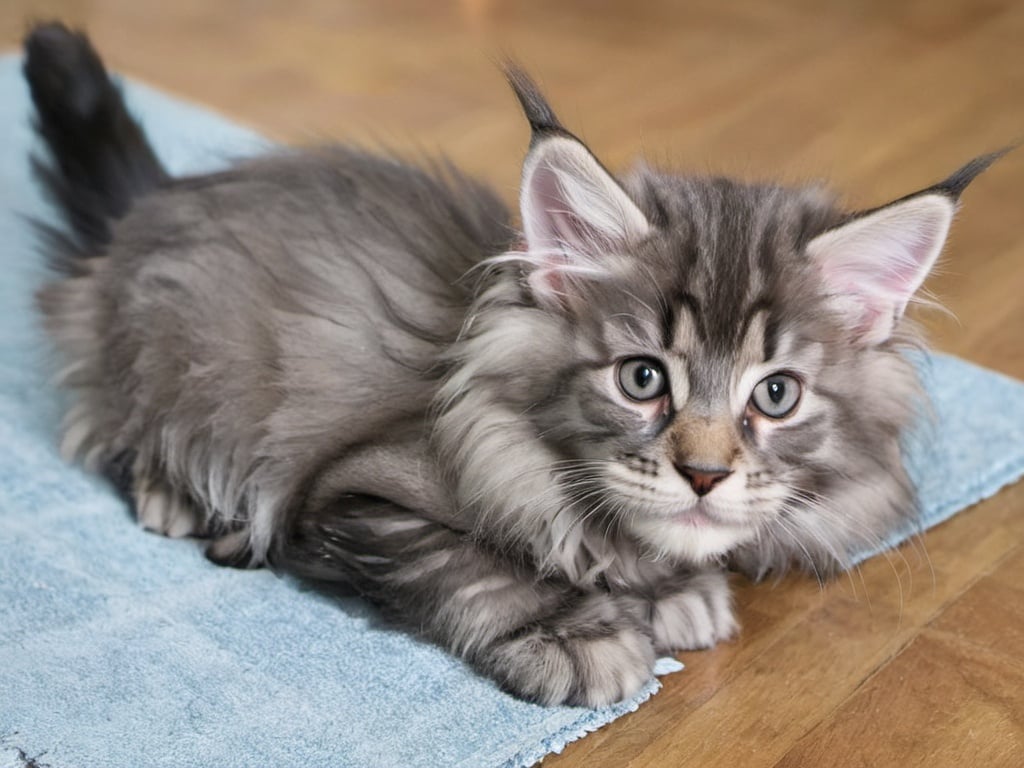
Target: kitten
[(535, 447)]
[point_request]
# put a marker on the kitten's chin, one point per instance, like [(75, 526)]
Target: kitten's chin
[(695, 541)]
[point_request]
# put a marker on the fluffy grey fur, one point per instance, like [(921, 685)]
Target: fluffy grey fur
[(353, 368)]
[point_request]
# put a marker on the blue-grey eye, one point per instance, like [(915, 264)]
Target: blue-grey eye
[(641, 378), (776, 396)]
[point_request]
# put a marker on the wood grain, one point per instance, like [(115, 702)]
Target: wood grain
[(916, 658)]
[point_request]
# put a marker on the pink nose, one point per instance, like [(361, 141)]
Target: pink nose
[(702, 479)]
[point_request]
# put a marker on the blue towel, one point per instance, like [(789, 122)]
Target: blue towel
[(120, 648)]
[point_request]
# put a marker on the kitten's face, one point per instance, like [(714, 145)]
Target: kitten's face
[(718, 395), (698, 403), (713, 441), (713, 367)]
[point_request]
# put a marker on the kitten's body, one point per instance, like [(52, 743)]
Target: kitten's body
[(313, 336), (334, 362)]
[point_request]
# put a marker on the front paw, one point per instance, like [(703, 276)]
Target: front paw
[(593, 655), (698, 615), (163, 510)]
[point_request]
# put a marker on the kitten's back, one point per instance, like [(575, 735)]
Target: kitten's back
[(227, 335)]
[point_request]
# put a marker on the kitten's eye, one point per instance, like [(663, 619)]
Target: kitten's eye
[(776, 396), (641, 378)]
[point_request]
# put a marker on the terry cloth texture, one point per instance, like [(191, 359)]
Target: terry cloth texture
[(120, 648)]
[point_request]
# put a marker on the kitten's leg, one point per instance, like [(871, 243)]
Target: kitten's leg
[(539, 638), (691, 610)]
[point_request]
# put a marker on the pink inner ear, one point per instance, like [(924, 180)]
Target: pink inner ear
[(880, 268), (568, 199), (553, 224), (547, 280), (873, 265), (575, 216), (541, 222)]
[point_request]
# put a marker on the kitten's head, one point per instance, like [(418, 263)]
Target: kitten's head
[(718, 366), (712, 367)]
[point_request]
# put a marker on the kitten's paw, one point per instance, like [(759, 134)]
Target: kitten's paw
[(232, 550), (698, 616), (593, 655), (160, 509)]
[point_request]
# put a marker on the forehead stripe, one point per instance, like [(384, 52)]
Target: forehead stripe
[(771, 337), (756, 308), (674, 317)]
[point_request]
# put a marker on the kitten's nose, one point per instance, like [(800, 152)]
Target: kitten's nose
[(703, 479)]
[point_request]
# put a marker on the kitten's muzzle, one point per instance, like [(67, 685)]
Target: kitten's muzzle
[(702, 479), (703, 449)]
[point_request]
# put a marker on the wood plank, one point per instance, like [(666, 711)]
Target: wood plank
[(990, 615), (952, 697), (941, 702)]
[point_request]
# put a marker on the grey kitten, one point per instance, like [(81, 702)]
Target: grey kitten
[(535, 447)]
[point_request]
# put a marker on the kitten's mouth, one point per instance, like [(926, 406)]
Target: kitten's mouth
[(700, 515), (696, 517)]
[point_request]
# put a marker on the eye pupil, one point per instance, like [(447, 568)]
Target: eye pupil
[(643, 376), (776, 390)]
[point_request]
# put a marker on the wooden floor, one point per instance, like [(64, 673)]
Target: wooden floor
[(918, 659)]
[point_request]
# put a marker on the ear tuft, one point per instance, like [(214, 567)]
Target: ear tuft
[(956, 183), (874, 264), (539, 113)]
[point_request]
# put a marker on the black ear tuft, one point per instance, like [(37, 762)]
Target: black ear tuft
[(955, 185), (541, 117)]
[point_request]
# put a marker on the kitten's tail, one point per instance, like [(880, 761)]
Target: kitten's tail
[(102, 160)]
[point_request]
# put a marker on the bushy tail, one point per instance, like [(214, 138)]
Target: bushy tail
[(101, 159)]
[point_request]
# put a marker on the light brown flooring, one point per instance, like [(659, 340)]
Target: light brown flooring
[(918, 659)]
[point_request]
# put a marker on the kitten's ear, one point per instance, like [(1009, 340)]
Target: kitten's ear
[(875, 263), (574, 212)]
